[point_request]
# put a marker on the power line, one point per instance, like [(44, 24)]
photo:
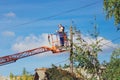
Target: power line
[(55, 15), (104, 44), (110, 46), (111, 41), (62, 61)]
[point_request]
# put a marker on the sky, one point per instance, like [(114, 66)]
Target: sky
[(25, 24)]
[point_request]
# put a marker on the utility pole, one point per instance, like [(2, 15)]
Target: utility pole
[(71, 49)]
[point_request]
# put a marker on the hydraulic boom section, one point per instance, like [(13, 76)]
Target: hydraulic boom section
[(12, 58)]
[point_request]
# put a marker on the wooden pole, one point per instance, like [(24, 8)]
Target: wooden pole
[(71, 49)]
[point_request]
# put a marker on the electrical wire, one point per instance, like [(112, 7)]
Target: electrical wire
[(61, 13), (110, 42), (62, 61)]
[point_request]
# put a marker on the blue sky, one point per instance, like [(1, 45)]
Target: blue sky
[(15, 37)]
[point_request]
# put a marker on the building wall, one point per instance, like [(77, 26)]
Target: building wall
[(40, 74)]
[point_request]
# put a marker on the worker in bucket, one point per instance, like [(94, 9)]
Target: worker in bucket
[(61, 34)]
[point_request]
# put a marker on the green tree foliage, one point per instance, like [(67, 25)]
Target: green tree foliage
[(66, 66), (112, 9), (25, 76), (11, 76), (24, 71), (112, 71), (86, 56), (85, 53), (58, 74)]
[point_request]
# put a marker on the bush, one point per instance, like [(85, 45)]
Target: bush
[(59, 74)]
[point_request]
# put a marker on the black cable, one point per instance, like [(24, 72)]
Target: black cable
[(55, 15), (61, 61), (110, 42)]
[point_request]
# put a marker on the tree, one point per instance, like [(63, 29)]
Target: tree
[(11, 76), (86, 56), (85, 53), (112, 71), (24, 71), (112, 9), (25, 76), (59, 74), (66, 66)]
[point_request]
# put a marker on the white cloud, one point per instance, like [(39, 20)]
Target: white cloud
[(32, 41), (10, 14), (106, 44), (107, 47), (8, 33)]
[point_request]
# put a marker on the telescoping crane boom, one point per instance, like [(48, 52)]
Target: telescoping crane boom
[(56, 48), (12, 58)]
